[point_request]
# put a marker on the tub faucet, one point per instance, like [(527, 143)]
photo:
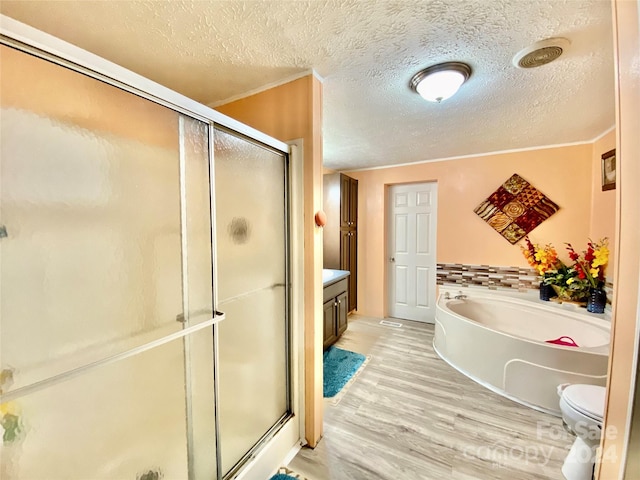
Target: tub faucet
[(460, 296)]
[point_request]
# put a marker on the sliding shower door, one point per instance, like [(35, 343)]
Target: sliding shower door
[(252, 268), (105, 277), (128, 216)]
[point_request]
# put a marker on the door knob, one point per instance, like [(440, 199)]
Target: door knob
[(392, 259)]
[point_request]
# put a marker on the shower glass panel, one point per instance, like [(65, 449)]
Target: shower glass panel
[(121, 420), (105, 257), (90, 202), (196, 235), (251, 252)]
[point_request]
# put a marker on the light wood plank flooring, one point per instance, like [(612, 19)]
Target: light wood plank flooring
[(410, 416)]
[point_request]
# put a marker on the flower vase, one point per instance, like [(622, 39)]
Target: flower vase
[(546, 292), (597, 299), (566, 294), (562, 292)]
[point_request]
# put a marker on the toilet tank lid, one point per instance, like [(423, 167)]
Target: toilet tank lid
[(588, 399)]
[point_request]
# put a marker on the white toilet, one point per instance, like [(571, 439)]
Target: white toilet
[(582, 408)]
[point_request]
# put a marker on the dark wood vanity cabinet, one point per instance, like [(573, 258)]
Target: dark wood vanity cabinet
[(335, 310), (340, 236)]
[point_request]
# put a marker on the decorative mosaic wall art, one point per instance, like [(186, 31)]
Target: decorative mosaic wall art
[(516, 208)]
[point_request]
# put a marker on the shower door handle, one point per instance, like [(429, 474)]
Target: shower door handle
[(217, 316)]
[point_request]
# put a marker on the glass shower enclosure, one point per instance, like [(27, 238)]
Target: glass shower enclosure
[(127, 225)]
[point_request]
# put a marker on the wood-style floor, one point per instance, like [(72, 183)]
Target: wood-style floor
[(410, 416)]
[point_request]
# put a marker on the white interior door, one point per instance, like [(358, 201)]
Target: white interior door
[(411, 249)]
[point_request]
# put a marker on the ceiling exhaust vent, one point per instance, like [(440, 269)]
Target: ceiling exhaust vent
[(541, 53)]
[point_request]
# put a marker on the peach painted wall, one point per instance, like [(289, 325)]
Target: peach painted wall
[(622, 370), (30, 83), (562, 173), (603, 204), (289, 112)]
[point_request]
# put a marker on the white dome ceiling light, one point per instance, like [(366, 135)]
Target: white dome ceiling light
[(441, 81), (541, 53)]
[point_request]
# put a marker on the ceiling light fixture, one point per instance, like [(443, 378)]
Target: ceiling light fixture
[(439, 82)]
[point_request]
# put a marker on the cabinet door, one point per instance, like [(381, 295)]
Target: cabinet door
[(353, 202), (345, 247), (345, 212), (352, 266), (342, 311), (329, 320)]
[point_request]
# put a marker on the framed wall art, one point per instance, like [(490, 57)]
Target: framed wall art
[(609, 170)]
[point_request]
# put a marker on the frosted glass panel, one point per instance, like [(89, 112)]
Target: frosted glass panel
[(199, 288), (90, 199), (202, 418), (118, 421), (251, 253)]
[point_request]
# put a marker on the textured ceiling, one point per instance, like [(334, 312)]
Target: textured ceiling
[(367, 51)]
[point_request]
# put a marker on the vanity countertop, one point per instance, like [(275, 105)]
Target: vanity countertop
[(329, 277)]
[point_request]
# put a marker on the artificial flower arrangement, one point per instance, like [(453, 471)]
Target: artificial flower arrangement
[(543, 258), (569, 282), (555, 274), (591, 264)]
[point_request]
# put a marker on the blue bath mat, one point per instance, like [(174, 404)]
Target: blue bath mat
[(339, 366), (284, 473)]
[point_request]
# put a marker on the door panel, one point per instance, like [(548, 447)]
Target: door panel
[(251, 248), (411, 250), (105, 199), (402, 234), (349, 262), (91, 264), (353, 202), (423, 235), (345, 198), (118, 421), (422, 278), (345, 249), (401, 274), (329, 322), (353, 268), (107, 258), (342, 312)]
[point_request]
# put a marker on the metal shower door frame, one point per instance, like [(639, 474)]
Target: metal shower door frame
[(47, 47)]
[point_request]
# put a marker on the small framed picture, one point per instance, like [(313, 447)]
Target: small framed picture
[(609, 170)]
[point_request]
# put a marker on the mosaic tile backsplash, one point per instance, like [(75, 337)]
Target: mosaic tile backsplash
[(515, 208), (494, 278), (519, 278)]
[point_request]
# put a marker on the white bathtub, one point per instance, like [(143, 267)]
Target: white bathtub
[(500, 342)]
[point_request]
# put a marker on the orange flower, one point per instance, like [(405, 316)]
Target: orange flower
[(542, 258)]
